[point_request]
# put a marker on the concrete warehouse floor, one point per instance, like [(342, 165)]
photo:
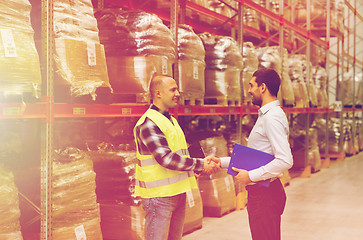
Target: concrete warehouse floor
[(326, 206)]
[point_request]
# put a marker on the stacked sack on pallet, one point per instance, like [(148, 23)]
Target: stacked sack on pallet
[(19, 60), (191, 65), (251, 19), (9, 207), (273, 6), (296, 73), (75, 211), (320, 79), (224, 64), (334, 134), (79, 56), (318, 13), (122, 216), (297, 138), (212, 5), (269, 57), (359, 89), (217, 189), (138, 45), (250, 65), (360, 134), (349, 148), (345, 89)]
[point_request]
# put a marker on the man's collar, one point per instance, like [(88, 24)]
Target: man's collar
[(165, 113), (265, 108)]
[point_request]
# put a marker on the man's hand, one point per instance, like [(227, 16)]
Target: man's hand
[(211, 164), (242, 176)]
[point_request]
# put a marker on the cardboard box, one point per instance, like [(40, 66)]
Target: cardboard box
[(193, 211), (19, 63), (132, 74), (191, 79), (223, 83), (122, 222), (218, 194), (80, 65)]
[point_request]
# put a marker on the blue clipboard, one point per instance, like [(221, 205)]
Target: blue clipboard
[(248, 159)]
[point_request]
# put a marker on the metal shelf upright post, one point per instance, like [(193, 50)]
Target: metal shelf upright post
[(327, 67), (240, 44), (47, 126), (307, 116)]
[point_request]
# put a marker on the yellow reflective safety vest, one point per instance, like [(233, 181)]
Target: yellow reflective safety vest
[(154, 180)]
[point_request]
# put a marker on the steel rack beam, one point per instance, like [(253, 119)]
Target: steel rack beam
[(206, 110), (63, 110), (353, 9), (23, 110)]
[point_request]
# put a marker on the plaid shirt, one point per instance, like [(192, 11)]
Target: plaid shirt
[(152, 141)]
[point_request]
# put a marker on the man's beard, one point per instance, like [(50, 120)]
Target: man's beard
[(257, 101)]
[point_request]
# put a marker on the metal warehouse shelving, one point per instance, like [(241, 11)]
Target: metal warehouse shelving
[(46, 110)]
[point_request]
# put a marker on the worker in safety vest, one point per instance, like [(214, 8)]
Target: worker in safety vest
[(165, 171)]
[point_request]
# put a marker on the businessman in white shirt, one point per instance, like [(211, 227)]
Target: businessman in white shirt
[(270, 134)]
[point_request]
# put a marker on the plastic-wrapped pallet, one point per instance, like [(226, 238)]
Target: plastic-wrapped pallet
[(297, 134), (250, 65), (269, 57), (348, 146), (122, 216), (138, 45), (76, 213), (314, 154), (359, 89), (224, 64), (320, 80), (318, 13), (360, 135), (298, 81), (345, 89), (19, 60), (9, 207), (79, 56), (334, 134), (251, 18), (74, 19), (218, 193), (217, 189), (191, 66), (273, 6)]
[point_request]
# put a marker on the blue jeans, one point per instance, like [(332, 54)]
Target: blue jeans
[(164, 217)]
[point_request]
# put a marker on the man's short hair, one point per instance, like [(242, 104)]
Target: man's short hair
[(270, 78), (155, 82)]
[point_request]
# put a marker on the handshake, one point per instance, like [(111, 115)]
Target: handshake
[(211, 164)]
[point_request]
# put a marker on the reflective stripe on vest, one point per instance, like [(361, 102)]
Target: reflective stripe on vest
[(163, 182), (152, 161)]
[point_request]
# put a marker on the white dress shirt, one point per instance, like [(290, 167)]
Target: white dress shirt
[(270, 134)]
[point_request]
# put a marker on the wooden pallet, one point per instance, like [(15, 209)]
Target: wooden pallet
[(190, 101), (241, 200), (63, 94), (18, 98), (224, 101), (302, 173), (131, 98)]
